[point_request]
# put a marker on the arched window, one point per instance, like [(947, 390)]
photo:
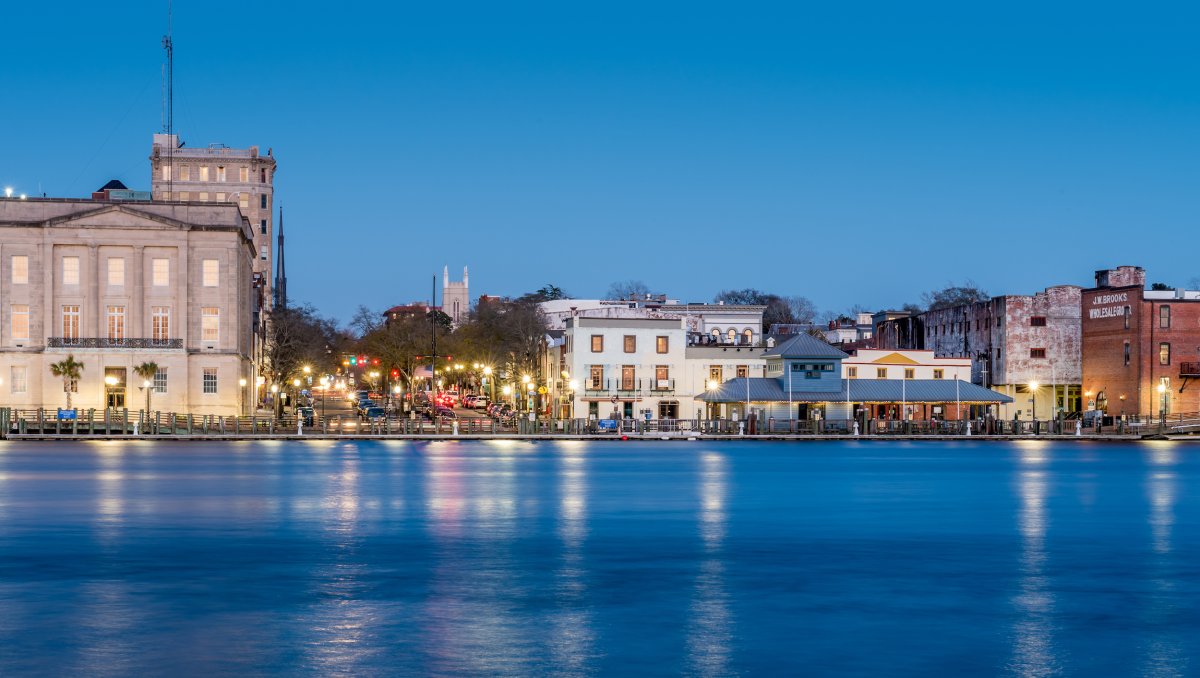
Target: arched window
[(716, 334), (732, 336), (748, 334)]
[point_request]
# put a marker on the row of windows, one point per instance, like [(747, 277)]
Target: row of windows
[(716, 372), (662, 344), (160, 322), (18, 380), (160, 271), (662, 376), (204, 172), (882, 373), (731, 335)]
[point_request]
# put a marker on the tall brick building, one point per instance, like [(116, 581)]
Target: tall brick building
[(1141, 348)]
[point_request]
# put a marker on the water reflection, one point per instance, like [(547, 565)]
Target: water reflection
[(1033, 654), (1164, 653), (710, 625), (572, 639), (342, 622)]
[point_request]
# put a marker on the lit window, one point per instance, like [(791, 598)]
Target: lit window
[(715, 373), (160, 272), (70, 270), (166, 172), (116, 272), (20, 322), (596, 376), (210, 380), (18, 378), (203, 197), (185, 173), (184, 196), (20, 270), (732, 334), (116, 322), (662, 344), (630, 343), (881, 373), (939, 374), (160, 323), (203, 173), (221, 174), (1164, 354), (244, 200), (748, 337), (70, 322), (742, 371), (220, 197), (597, 343), (1164, 317), (160, 380), (212, 272), (662, 377), (210, 323), (244, 174)]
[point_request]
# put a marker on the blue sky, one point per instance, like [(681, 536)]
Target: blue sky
[(849, 152)]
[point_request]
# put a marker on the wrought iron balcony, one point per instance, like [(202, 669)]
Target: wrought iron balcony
[(1189, 369), (104, 342)]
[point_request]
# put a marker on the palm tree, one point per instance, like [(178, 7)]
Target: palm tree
[(147, 371), (70, 370)]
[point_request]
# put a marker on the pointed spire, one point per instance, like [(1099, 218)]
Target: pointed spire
[(464, 276), (445, 277), (280, 268)]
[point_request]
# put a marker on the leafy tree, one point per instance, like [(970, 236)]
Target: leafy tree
[(912, 308), (1160, 287), (953, 295), (70, 370), (147, 371), (627, 289), (545, 293)]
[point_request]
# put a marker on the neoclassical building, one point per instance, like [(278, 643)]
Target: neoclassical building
[(118, 281)]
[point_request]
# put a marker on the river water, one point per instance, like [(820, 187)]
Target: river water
[(599, 558)]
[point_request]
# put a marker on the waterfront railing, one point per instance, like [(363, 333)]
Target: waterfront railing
[(124, 422)]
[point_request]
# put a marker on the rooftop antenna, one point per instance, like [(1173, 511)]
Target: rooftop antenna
[(169, 97)]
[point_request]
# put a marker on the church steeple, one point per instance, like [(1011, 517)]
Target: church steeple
[(280, 269)]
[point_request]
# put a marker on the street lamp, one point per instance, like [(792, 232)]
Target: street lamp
[(1162, 402), (1033, 387), (275, 406)]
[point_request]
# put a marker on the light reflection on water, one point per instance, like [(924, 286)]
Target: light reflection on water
[(510, 558)]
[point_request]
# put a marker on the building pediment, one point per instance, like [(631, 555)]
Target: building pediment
[(894, 359), (117, 216)]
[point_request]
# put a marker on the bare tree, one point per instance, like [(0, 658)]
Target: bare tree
[(627, 289), (953, 295)]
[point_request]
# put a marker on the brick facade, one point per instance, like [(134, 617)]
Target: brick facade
[(1162, 332)]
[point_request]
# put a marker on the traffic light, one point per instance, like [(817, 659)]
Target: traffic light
[(374, 361), (395, 374), (353, 360)]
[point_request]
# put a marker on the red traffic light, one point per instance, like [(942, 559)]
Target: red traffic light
[(395, 374)]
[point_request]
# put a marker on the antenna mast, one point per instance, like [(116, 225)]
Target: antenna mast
[(169, 98)]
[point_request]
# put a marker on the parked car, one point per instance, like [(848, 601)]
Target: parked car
[(469, 400), (373, 413), (479, 402)]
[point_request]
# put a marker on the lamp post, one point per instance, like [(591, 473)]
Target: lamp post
[(275, 406), (487, 374), (1033, 387), (241, 396), (1162, 402)]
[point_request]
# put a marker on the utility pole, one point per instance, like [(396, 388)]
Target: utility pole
[(433, 325)]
